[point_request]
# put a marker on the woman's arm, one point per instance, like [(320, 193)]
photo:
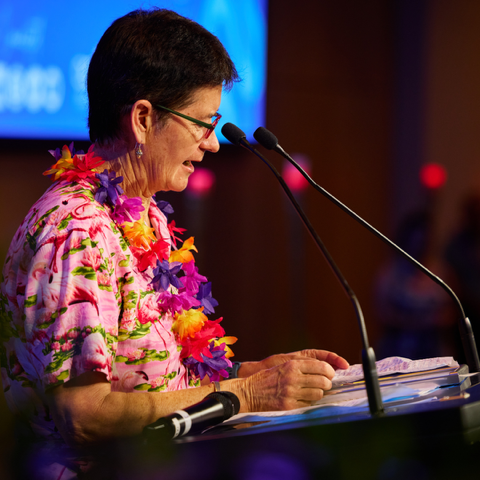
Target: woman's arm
[(86, 411)]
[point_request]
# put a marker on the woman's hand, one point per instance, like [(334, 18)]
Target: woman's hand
[(288, 381), (250, 368)]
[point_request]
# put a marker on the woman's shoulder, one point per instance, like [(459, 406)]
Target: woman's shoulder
[(64, 208)]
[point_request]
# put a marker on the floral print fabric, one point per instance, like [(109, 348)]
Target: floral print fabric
[(72, 300)]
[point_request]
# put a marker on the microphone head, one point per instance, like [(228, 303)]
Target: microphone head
[(233, 134), (265, 138)]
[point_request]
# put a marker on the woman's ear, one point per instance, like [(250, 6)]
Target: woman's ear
[(141, 120)]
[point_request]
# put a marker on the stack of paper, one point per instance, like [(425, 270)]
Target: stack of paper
[(399, 379)]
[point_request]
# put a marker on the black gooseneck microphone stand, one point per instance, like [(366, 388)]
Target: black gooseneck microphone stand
[(234, 135), (270, 142)]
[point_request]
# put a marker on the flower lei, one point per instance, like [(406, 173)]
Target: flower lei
[(205, 348)]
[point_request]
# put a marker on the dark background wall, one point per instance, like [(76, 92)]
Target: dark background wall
[(369, 91)]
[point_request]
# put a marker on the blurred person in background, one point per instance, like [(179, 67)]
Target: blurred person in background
[(462, 255), (415, 314)]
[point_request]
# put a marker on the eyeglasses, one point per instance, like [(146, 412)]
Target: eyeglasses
[(209, 126)]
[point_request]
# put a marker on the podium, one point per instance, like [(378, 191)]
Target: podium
[(421, 440)]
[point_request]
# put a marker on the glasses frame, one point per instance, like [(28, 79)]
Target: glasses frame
[(209, 126)]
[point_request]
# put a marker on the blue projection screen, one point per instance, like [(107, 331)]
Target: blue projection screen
[(45, 48)]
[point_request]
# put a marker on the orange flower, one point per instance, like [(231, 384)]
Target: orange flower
[(138, 234), (183, 255), (189, 322), (227, 341), (65, 162)]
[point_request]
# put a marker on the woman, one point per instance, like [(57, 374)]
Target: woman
[(99, 302)]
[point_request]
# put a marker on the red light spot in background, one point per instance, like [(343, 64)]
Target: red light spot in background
[(293, 178), (201, 181), (433, 175)]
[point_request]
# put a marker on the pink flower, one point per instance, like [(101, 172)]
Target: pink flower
[(75, 243), (66, 346), (128, 321), (135, 354), (103, 278), (56, 346), (91, 258), (157, 382), (73, 334)]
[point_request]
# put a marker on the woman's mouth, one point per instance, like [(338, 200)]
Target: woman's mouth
[(188, 164)]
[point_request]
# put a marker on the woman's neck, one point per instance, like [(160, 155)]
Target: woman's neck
[(126, 164)]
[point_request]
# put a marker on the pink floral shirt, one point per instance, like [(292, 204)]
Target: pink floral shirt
[(73, 301)]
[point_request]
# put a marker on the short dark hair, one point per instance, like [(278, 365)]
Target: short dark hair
[(155, 55)]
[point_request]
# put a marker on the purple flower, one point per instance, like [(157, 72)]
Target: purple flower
[(214, 367), (165, 274), (164, 207), (204, 295), (127, 209), (109, 187), (192, 278)]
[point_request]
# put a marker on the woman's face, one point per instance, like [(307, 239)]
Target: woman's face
[(171, 150)]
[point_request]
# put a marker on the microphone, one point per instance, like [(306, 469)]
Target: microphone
[(236, 136), (268, 140), (212, 410)]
